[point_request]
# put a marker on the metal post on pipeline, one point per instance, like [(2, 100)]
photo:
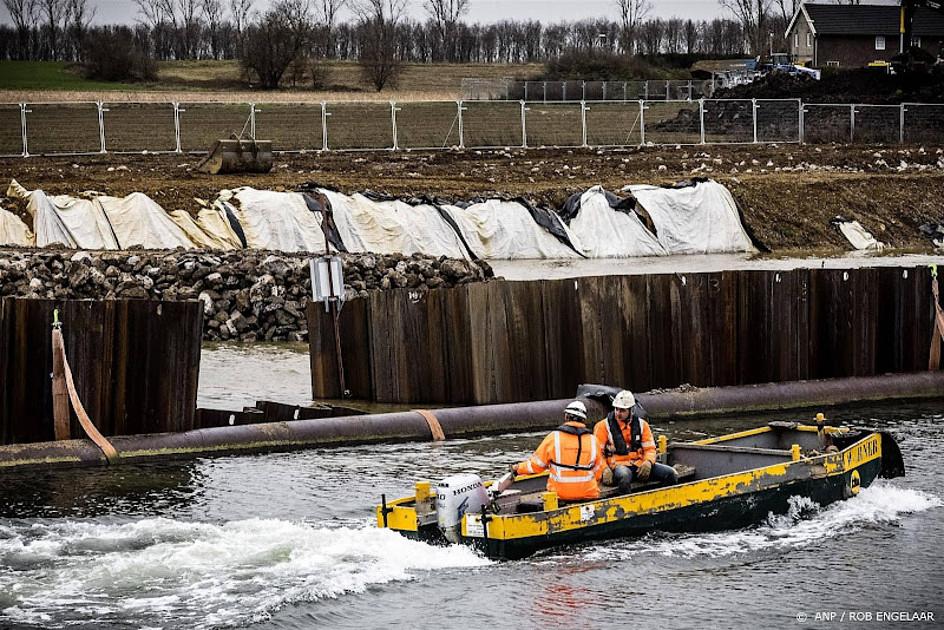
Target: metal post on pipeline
[(327, 286)]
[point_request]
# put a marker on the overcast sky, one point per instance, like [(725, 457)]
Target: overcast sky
[(111, 11)]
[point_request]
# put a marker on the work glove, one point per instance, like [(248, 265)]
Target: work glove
[(513, 469), (607, 477), (608, 450), (643, 470)]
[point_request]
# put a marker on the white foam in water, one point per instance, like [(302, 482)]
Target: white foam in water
[(805, 523), (198, 574)]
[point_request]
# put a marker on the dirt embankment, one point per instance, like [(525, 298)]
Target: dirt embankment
[(788, 193)]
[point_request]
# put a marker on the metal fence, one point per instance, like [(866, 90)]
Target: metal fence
[(95, 127), (545, 91)]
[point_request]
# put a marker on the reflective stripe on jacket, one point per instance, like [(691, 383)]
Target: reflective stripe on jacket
[(571, 478), (647, 451)]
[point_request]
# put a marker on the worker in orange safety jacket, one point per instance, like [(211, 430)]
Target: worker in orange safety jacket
[(571, 454), (629, 447)]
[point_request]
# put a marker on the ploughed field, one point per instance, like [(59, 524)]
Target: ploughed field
[(788, 193)]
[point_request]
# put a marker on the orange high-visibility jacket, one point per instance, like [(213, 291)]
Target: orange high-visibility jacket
[(633, 458), (574, 463)]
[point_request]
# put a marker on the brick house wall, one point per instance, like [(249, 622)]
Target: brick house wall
[(853, 51)]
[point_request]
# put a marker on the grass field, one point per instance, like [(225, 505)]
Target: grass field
[(222, 80)]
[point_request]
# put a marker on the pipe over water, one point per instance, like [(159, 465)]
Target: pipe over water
[(462, 422)]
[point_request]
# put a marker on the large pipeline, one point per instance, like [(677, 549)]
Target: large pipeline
[(460, 422)]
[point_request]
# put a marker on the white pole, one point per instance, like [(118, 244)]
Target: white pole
[(23, 112), (524, 127), (583, 123), (461, 130), (177, 111), (324, 126)]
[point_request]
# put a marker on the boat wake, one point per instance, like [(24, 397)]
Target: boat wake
[(805, 523), (198, 575)]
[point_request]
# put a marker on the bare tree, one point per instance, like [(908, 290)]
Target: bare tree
[(273, 42), (445, 15), (78, 19), (53, 12), (378, 50), (22, 14), (632, 13), (240, 10), (788, 8), (752, 15), (213, 16)]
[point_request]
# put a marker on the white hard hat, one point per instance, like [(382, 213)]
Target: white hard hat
[(624, 400), (576, 409)]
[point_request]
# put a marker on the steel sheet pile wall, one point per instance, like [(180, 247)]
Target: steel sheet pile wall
[(135, 364), (514, 341)]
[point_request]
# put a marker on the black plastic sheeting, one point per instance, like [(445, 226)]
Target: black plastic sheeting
[(547, 220), (572, 206), (234, 223), (318, 203)]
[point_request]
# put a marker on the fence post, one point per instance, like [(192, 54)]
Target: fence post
[(701, 118), (583, 90), (393, 125), (754, 108), (690, 93), (101, 126), (852, 123), (563, 90), (901, 125), (23, 112), (624, 90), (645, 90), (604, 90), (525, 90), (252, 120), (583, 123), (324, 126), (544, 92), (668, 92), (177, 111), (801, 132), (642, 122), (461, 130), (524, 125)]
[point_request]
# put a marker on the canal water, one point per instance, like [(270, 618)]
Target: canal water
[(288, 541)]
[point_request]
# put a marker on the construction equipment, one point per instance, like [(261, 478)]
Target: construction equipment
[(237, 155)]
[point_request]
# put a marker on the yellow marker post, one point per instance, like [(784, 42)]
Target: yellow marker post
[(663, 444), (795, 452), (424, 490)]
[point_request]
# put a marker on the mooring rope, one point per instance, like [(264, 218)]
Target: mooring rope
[(59, 354), (434, 427), (937, 333)]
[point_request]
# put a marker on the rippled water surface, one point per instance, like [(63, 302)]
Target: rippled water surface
[(287, 541)]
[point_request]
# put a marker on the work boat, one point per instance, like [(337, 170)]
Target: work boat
[(724, 482)]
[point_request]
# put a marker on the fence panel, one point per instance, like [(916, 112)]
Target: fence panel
[(656, 90), (11, 131), (778, 121), (827, 123), (202, 124), (613, 124), (680, 90), (136, 127), (672, 122), (924, 123), (290, 126), (492, 125), (553, 125), (595, 90), (359, 126), (514, 91), (729, 121), (553, 91), (636, 90), (877, 124), (427, 125), (615, 91), (63, 128), (573, 90)]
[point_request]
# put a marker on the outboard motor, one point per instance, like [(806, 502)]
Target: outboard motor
[(455, 496)]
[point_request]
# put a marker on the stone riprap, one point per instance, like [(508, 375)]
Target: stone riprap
[(247, 295)]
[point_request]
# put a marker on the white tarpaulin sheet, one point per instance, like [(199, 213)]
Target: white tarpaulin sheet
[(13, 231), (599, 231), (75, 223), (859, 237), (209, 231), (497, 229), (387, 227), (699, 219), (139, 221), (275, 220)]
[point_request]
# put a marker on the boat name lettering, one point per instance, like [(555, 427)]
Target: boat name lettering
[(863, 452)]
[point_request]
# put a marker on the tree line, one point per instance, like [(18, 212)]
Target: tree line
[(378, 33)]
